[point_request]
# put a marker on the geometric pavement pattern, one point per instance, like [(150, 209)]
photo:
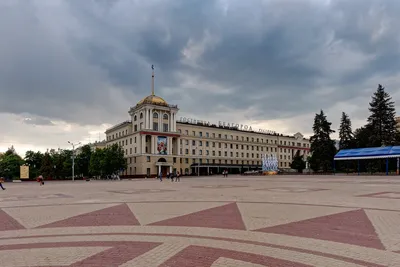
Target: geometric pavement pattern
[(231, 226)]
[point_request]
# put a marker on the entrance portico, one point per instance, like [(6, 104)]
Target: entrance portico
[(163, 166)]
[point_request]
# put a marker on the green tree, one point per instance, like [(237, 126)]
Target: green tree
[(382, 120), (114, 160), (346, 137), (34, 160), (82, 160), (97, 162), (298, 163), (10, 164), (47, 168), (322, 146)]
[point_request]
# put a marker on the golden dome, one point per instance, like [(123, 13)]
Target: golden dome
[(153, 99)]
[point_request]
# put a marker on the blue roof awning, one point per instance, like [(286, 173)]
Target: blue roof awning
[(368, 153)]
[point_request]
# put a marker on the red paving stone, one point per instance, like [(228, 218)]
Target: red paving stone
[(120, 252), (8, 223), (352, 227), (223, 217), (301, 250), (117, 215), (204, 257)]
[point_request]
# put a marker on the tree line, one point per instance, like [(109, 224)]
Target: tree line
[(57, 164), (380, 130)]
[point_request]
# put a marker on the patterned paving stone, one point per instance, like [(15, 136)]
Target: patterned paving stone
[(117, 215), (224, 217), (352, 227), (285, 221)]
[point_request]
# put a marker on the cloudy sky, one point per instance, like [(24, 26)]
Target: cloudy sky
[(71, 68)]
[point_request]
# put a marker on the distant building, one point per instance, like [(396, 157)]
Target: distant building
[(155, 140), (93, 146)]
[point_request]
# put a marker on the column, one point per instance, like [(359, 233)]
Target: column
[(153, 147), (170, 129), (143, 144), (179, 146), (160, 126), (169, 142), (159, 170), (174, 122), (170, 169), (151, 119), (145, 117)]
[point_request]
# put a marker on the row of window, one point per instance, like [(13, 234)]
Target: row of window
[(155, 116), (247, 139)]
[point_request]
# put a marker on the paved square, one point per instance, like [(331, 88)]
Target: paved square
[(241, 221)]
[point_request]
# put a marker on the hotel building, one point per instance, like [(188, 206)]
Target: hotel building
[(156, 139)]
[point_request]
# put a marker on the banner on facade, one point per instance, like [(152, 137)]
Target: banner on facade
[(24, 172), (162, 145)]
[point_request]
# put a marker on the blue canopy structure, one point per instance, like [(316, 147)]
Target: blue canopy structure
[(369, 153)]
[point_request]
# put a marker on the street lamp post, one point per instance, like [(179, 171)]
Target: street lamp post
[(73, 158)]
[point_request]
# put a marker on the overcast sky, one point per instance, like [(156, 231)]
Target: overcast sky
[(69, 69)]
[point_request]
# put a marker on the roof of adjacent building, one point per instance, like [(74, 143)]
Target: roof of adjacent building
[(369, 153)]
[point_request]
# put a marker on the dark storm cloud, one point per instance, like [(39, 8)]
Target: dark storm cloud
[(280, 57)]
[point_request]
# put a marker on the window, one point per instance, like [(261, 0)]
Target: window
[(207, 152), (226, 136), (148, 171), (135, 127), (200, 152), (207, 135), (141, 126), (186, 151), (186, 132), (213, 144), (213, 153), (252, 139), (187, 142), (165, 127), (186, 160), (201, 134), (213, 135), (126, 142), (155, 125), (141, 115), (247, 139), (135, 149), (130, 150), (219, 135), (226, 145), (219, 153), (258, 140), (231, 137), (200, 143), (226, 153), (193, 152), (237, 154), (231, 146), (207, 144), (148, 158), (242, 147), (194, 133), (165, 116), (174, 160), (135, 118), (180, 141), (231, 154), (130, 141), (193, 142), (252, 155), (155, 115), (219, 145)]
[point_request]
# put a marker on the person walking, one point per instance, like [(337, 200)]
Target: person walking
[(41, 180), (160, 176), (1, 183), (178, 177)]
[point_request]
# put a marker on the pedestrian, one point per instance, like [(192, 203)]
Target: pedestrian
[(160, 176), (172, 177), (1, 183), (41, 180), (178, 177)]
